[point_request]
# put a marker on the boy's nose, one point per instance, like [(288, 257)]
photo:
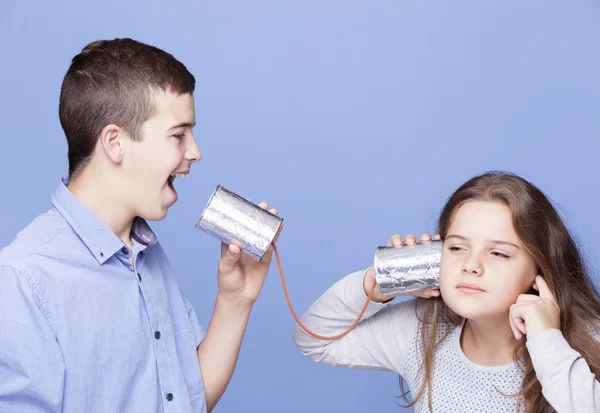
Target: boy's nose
[(193, 153)]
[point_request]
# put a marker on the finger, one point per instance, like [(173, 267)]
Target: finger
[(543, 288), (527, 297), (437, 237), (410, 240), (396, 240), (229, 259), (274, 211), (430, 292), (518, 326), (434, 292), (425, 237), (263, 205), (520, 323), (516, 332), (519, 312)]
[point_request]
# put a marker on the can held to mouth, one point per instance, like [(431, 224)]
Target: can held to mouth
[(229, 217), (408, 269)]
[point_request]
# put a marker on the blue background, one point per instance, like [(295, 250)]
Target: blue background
[(356, 119)]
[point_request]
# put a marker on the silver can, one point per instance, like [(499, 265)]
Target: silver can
[(229, 217), (407, 269)]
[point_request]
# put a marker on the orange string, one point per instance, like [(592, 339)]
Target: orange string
[(287, 298)]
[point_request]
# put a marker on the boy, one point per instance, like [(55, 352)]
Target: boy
[(91, 316)]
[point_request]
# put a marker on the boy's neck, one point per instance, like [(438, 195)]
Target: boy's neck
[(488, 342), (103, 203)]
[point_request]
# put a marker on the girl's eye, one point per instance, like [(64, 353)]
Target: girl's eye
[(179, 136), (455, 248), (499, 254)]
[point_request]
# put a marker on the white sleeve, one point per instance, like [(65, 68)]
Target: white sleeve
[(380, 341), (566, 379)]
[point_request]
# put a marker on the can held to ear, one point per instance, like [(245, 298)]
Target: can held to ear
[(229, 217), (408, 269)]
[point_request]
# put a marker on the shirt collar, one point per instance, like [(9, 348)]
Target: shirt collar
[(98, 238)]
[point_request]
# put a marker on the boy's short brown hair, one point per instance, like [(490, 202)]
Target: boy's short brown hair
[(112, 82)]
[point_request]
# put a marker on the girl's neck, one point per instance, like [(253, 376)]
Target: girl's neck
[(488, 342)]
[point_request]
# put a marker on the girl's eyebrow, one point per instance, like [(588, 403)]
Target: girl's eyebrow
[(462, 238), (505, 243)]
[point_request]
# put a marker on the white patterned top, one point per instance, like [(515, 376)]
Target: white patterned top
[(387, 339)]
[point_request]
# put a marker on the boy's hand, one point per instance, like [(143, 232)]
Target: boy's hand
[(396, 241), (532, 314), (239, 276)]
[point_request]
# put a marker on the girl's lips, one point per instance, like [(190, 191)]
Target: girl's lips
[(469, 288)]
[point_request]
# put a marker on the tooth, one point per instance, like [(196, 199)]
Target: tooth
[(182, 176)]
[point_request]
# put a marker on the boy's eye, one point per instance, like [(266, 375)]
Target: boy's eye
[(455, 248), (179, 136)]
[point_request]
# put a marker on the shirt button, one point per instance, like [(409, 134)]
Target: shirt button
[(169, 396), (139, 277), (124, 250), (157, 335)]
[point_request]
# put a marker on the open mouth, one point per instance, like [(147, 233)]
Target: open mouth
[(172, 179)]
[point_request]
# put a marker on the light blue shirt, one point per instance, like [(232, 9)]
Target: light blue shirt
[(82, 330)]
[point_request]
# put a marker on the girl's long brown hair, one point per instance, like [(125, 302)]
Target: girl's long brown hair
[(545, 236)]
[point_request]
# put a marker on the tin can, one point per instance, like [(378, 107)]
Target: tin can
[(408, 268), (229, 217)]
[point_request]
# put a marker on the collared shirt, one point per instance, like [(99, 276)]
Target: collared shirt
[(82, 330)]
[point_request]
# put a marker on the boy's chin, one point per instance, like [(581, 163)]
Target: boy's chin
[(156, 215)]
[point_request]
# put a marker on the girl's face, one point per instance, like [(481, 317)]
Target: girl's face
[(484, 266)]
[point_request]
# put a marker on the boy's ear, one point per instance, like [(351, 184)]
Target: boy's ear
[(110, 142)]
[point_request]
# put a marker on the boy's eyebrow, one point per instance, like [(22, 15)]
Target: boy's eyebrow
[(460, 237), (183, 125)]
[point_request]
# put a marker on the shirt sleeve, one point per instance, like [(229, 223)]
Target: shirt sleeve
[(199, 331), (380, 341), (31, 364), (566, 379)]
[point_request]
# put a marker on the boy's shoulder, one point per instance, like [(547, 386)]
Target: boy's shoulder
[(37, 234)]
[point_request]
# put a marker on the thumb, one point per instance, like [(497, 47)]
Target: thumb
[(229, 259)]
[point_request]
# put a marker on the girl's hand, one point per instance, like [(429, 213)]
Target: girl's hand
[(396, 241), (532, 314)]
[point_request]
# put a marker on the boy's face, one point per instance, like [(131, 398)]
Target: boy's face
[(167, 147), (484, 265)]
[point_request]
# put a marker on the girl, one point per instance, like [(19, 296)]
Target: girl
[(513, 326)]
